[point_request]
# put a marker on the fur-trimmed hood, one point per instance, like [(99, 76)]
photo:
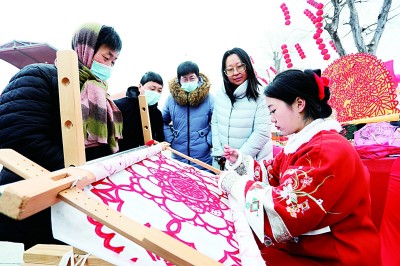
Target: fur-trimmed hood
[(196, 97)]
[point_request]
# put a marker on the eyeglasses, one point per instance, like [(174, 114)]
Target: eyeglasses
[(230, 71)]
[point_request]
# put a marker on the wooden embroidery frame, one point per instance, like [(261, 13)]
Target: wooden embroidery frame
[(27, 197)]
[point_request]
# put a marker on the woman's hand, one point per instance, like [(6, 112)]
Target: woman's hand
[(230, 154)]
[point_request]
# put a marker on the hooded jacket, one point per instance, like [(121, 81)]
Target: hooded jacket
[(187, 118), (132, 132)]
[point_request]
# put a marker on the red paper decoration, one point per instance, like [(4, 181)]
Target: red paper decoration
[(333, 45), (286, 56), (286, 14), (361, 87), (300, 51), (317, 21)]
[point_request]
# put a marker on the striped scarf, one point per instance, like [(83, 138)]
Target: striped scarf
[(102, 120)]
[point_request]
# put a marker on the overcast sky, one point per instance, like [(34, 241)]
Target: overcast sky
[(158, 35)]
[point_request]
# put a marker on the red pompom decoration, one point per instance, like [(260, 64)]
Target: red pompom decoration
[(327, 56)]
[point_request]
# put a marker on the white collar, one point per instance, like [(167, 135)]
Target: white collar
[(241, 89), (308, 132)]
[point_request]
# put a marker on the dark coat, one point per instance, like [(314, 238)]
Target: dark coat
[(132, 131), (30, 124)]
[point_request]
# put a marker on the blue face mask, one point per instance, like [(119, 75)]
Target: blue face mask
[(152, 97), (190, 86), (101, 71)]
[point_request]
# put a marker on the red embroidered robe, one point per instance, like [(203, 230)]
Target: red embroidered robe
[(316, 203)]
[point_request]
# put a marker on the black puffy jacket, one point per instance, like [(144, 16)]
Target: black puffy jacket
[(30, 120), (30, 124)]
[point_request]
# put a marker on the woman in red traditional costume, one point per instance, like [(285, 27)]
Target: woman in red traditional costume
[(310, 205)]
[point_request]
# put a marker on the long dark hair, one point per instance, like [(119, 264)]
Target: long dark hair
[(252, 87), (292, 83)]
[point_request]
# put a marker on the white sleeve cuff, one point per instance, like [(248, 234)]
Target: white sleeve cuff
[(233, 166)]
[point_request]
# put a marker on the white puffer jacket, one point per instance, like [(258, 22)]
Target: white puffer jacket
[(245, 126)]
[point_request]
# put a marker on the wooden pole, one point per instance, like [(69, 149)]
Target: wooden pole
[(382, 118), (207, 166), (70, 108), (144, 115)]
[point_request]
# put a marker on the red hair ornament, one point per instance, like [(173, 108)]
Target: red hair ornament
[(322, 82)]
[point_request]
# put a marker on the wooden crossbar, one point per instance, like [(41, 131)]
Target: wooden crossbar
[(24, 198), (382, 118), (146, 128)]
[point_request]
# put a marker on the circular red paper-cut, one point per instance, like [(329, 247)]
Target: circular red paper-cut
[(361, 87)]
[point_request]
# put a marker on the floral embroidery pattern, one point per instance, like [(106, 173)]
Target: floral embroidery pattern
[(296, 180)]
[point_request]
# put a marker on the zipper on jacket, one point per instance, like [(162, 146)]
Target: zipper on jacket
[(229, 125), (188, 126)]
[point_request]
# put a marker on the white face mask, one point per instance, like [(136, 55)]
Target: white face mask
[(190, 86), (101, 71), (152, 97)]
